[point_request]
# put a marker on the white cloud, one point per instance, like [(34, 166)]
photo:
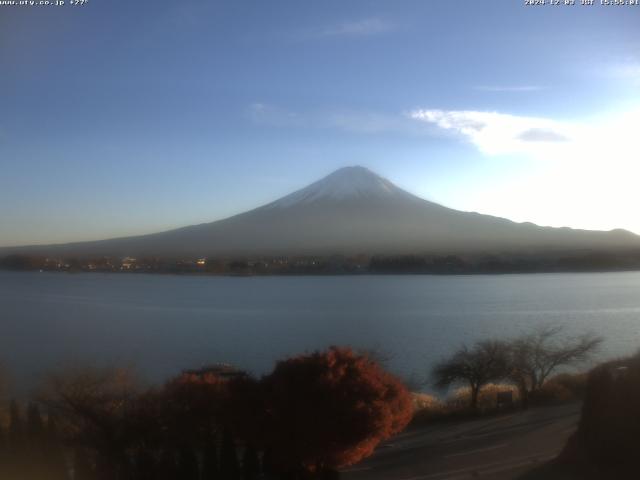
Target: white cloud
[(579, 173), (359, 28), (541, 135), (499, 133)]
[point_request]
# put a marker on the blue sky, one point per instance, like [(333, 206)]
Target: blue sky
[(124, 117)]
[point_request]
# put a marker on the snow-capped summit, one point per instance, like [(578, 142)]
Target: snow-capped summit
[(350, 211), (348, 182)]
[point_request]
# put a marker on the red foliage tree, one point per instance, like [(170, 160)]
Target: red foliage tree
[(195, 404), (330, 409)]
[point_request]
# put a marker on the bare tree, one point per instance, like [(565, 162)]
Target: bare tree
[(534, 356), (93, 405), (485, 362)]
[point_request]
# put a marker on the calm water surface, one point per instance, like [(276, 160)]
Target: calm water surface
[(164, 323)]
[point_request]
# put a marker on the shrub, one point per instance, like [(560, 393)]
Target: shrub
[(565, 387), (487, 398), (427, 407), (424, 401), (551, 393), (330, 409), (576, 383)]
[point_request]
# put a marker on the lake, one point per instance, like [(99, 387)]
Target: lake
[(163, 323)]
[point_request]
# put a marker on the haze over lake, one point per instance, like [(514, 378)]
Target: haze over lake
[(164, 323)]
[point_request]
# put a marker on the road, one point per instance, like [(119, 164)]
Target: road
[(499, 448)]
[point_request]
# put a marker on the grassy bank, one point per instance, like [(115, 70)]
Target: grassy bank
[(562, 388)]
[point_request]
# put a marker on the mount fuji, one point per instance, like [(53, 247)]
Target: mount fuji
[(350, 211)]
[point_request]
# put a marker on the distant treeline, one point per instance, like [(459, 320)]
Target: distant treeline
[(452, 264), (590, 261)]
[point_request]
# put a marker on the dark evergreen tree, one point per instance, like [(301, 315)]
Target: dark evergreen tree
[(125, 470), (35, 464), (167, 468), (229, 468), (35, 430), (270, 468), (17, 457), (188, 464), (16, 428), (144, 465), (82, 467), (329, 474), (110, 466), (210, 469), (53, 451), (250, 463), (4, 454)]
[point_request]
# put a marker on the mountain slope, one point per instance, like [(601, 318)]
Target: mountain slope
[(350, 211)]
